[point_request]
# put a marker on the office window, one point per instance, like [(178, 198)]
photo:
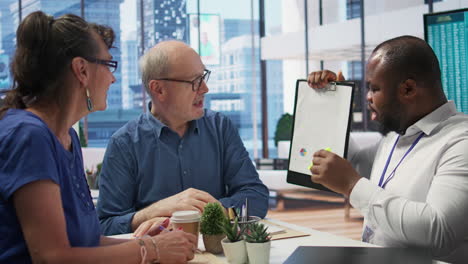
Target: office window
[(226, 49), (9, 21), (8, 25), (120, 15), (354, 70), (108, 13), (51, 7), (227, 105), (353, 9)]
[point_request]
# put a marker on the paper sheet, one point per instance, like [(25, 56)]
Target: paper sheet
[(320, 122)]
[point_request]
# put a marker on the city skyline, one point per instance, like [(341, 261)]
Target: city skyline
[(235, 82)]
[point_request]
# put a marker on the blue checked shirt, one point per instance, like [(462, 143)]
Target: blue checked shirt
[(146, 161)]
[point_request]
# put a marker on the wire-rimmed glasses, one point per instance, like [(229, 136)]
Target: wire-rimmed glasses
[(196, 83)]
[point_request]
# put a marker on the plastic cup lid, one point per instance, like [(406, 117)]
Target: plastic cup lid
[(185, 216)]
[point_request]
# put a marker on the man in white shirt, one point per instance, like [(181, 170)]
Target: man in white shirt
[(417, 195)]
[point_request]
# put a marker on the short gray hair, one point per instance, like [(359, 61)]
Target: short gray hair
[(154, 64)]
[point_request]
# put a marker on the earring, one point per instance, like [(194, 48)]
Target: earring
[(89, 103)]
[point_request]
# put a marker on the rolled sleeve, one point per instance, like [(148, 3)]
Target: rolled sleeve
[(362, 195), (116, 205), (241, 176)]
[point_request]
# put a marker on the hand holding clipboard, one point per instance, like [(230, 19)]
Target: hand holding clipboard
[(320, 79), (321, 120)]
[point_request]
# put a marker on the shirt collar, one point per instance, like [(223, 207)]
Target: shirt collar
[(194, 127), (155, 123), (429, 122), (158, 125)]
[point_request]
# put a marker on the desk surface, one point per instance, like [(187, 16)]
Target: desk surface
[(281, 249)]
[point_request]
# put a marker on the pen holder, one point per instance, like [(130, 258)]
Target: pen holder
[(250, 220)]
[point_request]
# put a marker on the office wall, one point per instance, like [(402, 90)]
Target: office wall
[(338, 40)]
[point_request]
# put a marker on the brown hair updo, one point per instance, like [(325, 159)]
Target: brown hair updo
[(45, 48)]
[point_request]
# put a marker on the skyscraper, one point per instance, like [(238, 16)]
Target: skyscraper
[(107, 12), (100, 11), (130, 76), (234, 79), (7, 42), (162, 20), (232, 89)]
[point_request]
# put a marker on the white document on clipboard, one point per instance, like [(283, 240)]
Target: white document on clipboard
[(321, 120)]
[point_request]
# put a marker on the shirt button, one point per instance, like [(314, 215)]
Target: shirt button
[(185, 172), (77, 185), (82, 194), (180, 146)]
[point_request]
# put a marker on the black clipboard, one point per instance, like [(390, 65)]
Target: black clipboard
[(322, 119)]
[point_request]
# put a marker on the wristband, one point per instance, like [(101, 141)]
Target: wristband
[(156, 249), (143, 250)]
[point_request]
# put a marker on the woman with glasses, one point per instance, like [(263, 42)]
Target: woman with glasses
[(62, 70)]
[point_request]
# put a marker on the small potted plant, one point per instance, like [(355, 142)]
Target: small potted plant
[(233, 244), (283, 135), (90, 178), (258, 243), (98, 174), (210, 227)]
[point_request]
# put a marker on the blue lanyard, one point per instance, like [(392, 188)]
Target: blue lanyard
[(381, 182)]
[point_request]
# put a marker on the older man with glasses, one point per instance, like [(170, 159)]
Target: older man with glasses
[(179, 156)]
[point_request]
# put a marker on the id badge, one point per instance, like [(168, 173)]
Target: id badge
[(368, 234)]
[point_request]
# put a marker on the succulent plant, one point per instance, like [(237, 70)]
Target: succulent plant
[(257, 233), (232, 230), (212, 217)]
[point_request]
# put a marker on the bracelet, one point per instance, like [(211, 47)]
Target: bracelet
[(155, 248), (143, 251)]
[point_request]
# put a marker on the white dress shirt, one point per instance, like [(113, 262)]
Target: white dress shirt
[(426, 202)]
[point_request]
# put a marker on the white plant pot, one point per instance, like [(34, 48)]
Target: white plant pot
[(258, 253), (283, 149), (235, 252)]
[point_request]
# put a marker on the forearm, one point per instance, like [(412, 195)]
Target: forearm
[(128, 252), (147, 213), (109, 241)]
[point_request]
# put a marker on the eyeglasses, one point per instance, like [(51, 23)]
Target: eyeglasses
[(196, 83), (112, 65)]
